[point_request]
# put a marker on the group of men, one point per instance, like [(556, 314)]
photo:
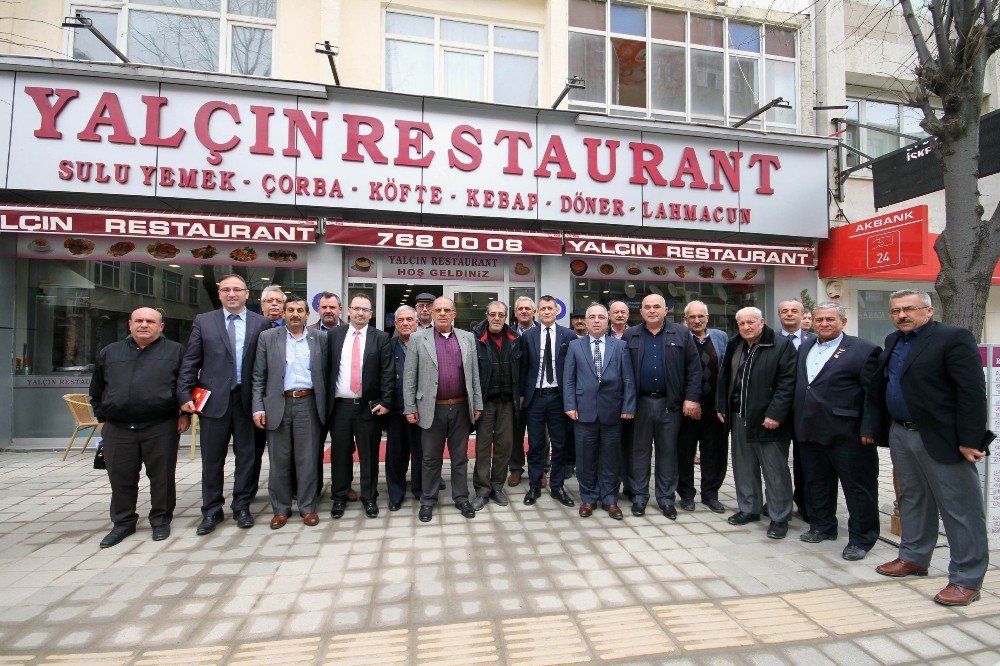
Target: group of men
[(602, 401)]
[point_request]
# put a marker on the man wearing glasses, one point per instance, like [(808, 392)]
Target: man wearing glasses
[(272, 305), (441, 392), (931, 394), (361, 380), (219, 358)]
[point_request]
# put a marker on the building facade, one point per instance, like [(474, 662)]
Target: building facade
[(436, 166)]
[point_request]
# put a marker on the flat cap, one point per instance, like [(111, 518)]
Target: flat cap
[(425, 298)]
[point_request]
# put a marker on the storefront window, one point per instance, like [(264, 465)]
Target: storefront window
[(874, 322), (723, 289)]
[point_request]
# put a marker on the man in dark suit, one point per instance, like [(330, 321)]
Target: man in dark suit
[(836, 431), (756, 390), (599, 391), (524, 315), (361, 380), (402, 449), (289, 402), (930, 392), (668, 382), (545, 348), (790, 314), (706, 433), (220, 357)]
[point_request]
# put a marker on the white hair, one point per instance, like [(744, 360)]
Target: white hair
[(694, 303), (273, 287), (925, 298), (403, 309), (749, 311)]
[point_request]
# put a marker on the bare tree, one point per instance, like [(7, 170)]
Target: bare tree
[(952, 58)]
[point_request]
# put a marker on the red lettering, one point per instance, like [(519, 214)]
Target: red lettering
[(298, 125), (555, 152), (689, 166), (466, 147), (262, 130), (47, 111), (355, 139), (154, 109), (514, 141), (592, 170), (107, 112), (408, 142), (729, 167), (203, 118), (650, 166), (766, 163)]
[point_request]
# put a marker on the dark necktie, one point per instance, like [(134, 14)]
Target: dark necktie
[(547, 356), (231, 329), (598, 363)]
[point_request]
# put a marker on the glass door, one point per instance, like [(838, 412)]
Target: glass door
[(471, 303)]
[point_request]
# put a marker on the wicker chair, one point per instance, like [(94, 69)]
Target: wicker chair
[(79, 407)]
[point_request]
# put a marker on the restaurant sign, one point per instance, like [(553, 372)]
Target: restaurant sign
[(687, 251), (357, 234)]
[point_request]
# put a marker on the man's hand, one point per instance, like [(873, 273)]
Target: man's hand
[(573, 414), (972, 455), (722, 417), (380, 410), (770, 423), (628, 416), (183, 423), (260, 420), (413, 418), (868, 440), (188, 407), (477, 413), (692, 409)]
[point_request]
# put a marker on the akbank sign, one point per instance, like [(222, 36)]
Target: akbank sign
[(372, 151)]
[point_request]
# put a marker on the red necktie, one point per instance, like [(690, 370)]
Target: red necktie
[(356, 364)]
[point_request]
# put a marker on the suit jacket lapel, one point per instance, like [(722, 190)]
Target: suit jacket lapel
[(431, 347), (919, 345), (225, 332), (314, 361), (845, 344)]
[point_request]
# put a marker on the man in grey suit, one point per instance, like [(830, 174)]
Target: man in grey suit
[(598, 392), (289, 400), (441, 392)]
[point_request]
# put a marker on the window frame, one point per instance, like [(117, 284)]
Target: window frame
[(172, 279), (133, 274), (227, 22), (849, 159), (726, 119), (441, 46)]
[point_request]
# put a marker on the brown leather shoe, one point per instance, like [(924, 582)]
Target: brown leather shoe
[(898, 568), (311, 519), (352, 495), (614, 511), (586, 510), (278, 521), (956, 595), (514, 479)]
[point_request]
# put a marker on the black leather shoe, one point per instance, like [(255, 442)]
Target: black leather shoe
[(161, 532), (740, 518), (715, 505), (426, 513), (687, 504), (371, 508), (499, 498), (638, 509), (670, 511), (338, 508), (815, 536), (777, 530), (467, 509), (853, 553), (480, 502), (395, 506), (116, 536), (209, 523), (244, 519), (563, 497), (532, 495)]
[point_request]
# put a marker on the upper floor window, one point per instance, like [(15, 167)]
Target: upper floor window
[(232, 36), (648, 62), (429, 55), (895, 118)]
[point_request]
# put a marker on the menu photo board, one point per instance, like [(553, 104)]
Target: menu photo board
[(604, 268)]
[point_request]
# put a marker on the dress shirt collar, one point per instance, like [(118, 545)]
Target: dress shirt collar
[(832, 343), (917, 331), (363, 331), (288, 333), (239, 315), (591, 339), (443, 335)]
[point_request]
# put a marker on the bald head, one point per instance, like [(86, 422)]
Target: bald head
[(145, 325), (443, 311)]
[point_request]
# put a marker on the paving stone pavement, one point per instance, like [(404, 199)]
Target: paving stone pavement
[(517, 584)]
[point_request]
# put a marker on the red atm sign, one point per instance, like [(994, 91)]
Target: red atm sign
[(884, 243)]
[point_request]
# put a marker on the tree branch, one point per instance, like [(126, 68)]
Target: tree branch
[(924, 53)]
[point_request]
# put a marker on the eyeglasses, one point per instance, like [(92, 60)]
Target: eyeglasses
[(495, 315), (909, 309), (232, 290), (365, 310), (274, 300)]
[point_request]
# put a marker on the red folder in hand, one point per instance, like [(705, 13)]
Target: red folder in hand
[(200, 396)]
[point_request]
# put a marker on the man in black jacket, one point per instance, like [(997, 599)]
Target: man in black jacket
[(133, 393), (836, 431), (756, 389), (930, 392), (498, 350), (402, 448)]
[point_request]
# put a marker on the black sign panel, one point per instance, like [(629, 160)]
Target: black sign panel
[(916, 170)]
